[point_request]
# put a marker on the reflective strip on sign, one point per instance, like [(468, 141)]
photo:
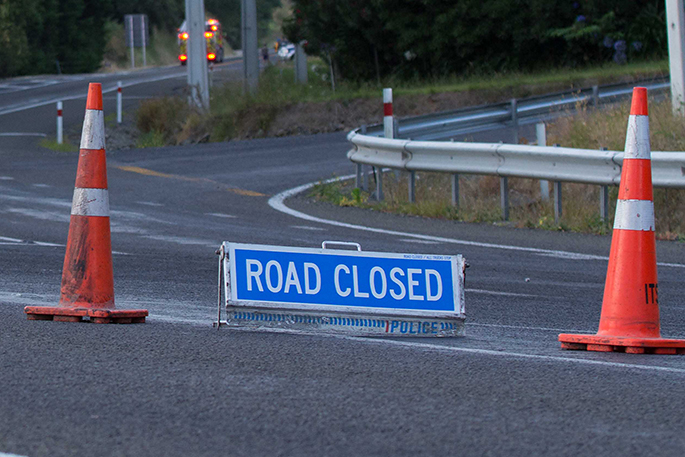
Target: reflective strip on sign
[(637, 138), (93, 134), (634, 215), (90, 202)]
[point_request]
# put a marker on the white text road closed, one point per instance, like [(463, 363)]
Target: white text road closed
[(340, 281)]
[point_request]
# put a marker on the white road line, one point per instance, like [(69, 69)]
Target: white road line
[(453, 349), (7, 240), (228, 216), (277, 203), (419, 241), (150, 203), (506, 294), (42, 135), (519, 355), (308, 227), (4, 454), (53, 100)]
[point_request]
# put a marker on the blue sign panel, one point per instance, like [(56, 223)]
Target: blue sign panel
[(333, 278)]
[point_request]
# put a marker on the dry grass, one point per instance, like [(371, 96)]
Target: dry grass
[(480, 195)]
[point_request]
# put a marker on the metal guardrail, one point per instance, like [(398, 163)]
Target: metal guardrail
[(448, 125), (510, 160), (506, 160)]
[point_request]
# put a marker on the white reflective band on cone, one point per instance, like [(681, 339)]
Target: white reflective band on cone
[(93, 134), (634, 215), (90, 202), (637, 138)]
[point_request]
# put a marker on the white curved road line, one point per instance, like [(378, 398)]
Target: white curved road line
[(277, 202)]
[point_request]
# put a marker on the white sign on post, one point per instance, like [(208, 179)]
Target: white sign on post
[(341, 291)]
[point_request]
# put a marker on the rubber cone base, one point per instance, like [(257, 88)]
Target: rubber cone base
[(629, 345), (98, 316)]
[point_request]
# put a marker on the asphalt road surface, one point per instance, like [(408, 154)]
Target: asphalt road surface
[(177, 386)]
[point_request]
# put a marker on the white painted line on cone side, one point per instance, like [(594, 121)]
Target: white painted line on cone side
[(637, 138), (90, 202), (635, 215), (277, 203), (93, 133)]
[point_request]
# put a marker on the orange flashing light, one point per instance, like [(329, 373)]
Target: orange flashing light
[(183, 57), (184, 36), (211, 56), (215, 28), (209, 34), (212, 21)]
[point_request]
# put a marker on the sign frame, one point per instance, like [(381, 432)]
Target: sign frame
[(270, 314)]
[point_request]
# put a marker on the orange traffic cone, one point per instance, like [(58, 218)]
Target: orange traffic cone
[(87, 278), (630, 310)]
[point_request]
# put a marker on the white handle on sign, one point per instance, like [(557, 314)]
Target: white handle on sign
[(342, 243)]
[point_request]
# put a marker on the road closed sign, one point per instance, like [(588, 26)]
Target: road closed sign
[(342, 291)]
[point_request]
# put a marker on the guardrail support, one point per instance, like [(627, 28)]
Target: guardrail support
[(595, 96), (455, 190), (557, 201), (364, 185), (358, 177), (515, 121), (412, 186), (541, 133), (504, 196), (379, 184), (604, 203)]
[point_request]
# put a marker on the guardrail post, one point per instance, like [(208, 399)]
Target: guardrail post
[(541, 134), (379, 184), (387, 113), (365, 168), (504, 196), (604, 199), (60, 125), (412, 186), (515, 121), (595, 96), (604, 203), (455, 190), (358, 177), (557, 201)]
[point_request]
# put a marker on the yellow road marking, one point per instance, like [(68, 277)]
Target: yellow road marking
[(147, 172)]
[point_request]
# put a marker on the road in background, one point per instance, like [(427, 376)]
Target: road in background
[(175, 386)]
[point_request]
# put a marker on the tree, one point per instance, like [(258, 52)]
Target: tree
[(432, 38)]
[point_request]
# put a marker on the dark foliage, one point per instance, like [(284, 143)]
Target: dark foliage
[(367, 39)]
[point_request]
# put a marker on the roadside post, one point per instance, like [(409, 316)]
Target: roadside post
[(119, 103), (60, 124), (541, 134), (137, 35), (197, 54), (340, 291)]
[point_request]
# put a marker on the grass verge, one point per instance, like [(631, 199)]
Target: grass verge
[(281, 107), (480, 194), (52, 144)]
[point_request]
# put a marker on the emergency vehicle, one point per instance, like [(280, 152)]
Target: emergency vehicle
[(214, 37)]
